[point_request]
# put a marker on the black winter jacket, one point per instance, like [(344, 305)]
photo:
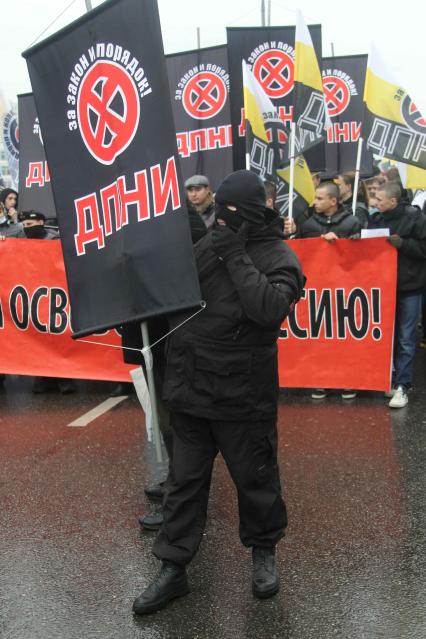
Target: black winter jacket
[(361, 211), (410, 224), (342, 223), (222, 364)]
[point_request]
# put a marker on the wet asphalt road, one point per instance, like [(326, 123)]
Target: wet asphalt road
[(353, 563)]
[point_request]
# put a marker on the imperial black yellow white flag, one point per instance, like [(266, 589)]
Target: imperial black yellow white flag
[(411, 176), (310, 110), (265, 133), (303, 193), (393, 126)]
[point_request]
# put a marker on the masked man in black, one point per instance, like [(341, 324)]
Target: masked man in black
[(221, 385)]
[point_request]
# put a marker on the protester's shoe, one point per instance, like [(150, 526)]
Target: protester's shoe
[(390, 393), (265, 582), (155, 492), (123, 388), (153, 521), (400, 398), (319, 393), (423, 343), (348, 394), (170, 583), (67, 386)]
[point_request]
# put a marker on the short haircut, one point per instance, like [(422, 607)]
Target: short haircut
[(391, 190), (331, 188)]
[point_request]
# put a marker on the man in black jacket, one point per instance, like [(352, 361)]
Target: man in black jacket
[(331, 220), (222, 386), (407, 228)]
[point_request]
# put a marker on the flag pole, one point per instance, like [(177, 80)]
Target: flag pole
[(356, 181), (152, 395), (291, 186)]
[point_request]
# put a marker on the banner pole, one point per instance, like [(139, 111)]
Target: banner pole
[(357, 169), (152, 395), (291, 186), (88, 5)]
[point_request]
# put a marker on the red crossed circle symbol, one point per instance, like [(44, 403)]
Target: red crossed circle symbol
[(274, 70), (337, 94), (412, 116), (204, 95), (107, 110)]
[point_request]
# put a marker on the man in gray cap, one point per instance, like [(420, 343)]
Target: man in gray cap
[(200, 198)]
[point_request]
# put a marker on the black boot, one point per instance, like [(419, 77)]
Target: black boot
[(153, 521), (265, 575), (170, 583)]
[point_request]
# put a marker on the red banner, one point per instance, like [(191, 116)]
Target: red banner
[(35, 334), (341, 332)]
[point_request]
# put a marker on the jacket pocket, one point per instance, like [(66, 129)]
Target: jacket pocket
[(223, 376)]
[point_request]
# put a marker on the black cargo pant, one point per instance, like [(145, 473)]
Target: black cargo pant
[(250, 452)]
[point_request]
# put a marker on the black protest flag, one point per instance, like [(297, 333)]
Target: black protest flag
[(35, 190), (199, 91), (102, 97), (269, 53), (343, 80)]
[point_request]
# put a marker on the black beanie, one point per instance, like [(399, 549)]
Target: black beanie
[(244, 190), (5, 193)]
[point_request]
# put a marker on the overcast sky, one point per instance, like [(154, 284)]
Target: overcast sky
[(398, 35)]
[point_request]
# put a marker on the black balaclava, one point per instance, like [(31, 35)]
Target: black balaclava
[(245, 191), (37, 232)]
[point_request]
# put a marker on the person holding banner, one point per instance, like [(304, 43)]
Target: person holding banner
[(330, 221), (407, 228), (222, 386)]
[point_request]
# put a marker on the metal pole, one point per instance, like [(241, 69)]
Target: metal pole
[(291, 186), (356, 181), (262, 13), (332, 49), (269, 13), (152, 396), (198, 38), (88, 5)]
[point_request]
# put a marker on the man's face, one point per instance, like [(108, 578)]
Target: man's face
[(372, 189), (10, 201), (27, 223), (323, 203), (197, 195), (384, 203), (345, 189)]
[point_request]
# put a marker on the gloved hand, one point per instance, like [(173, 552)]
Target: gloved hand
[(395, 240), (226, 243)]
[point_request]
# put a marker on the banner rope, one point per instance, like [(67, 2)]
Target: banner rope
[(144, 350), (52, 23)]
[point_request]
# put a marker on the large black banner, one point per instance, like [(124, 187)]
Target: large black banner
[(35, 190), (199, 90), (343, 80), (269, 53), (102, 97)]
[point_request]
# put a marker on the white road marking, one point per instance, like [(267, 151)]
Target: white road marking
[(104, 407)]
